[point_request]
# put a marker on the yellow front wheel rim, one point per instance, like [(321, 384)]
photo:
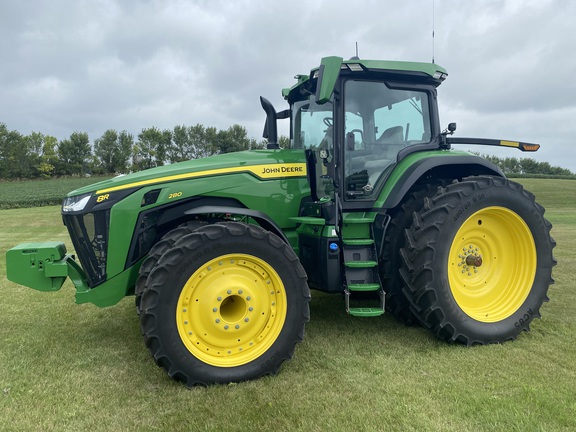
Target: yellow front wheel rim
[(231, 310), (492, 264)]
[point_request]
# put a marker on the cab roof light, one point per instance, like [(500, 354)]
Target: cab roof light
[(440, 75), (355, 67)]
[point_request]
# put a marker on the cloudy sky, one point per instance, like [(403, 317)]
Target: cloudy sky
[(92, 65)]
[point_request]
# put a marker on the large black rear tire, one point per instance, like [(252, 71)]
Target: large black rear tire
[(225, 303), (478, 261), (390, 261)]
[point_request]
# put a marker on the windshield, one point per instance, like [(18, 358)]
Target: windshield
[(380, 122)]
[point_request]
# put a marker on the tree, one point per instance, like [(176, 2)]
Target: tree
[(122, 156), (112, 151), (152, 148), (16, 158), (104, 149), (234, 139), (529, 166), (178, 151), (49, 158), (194, 142), (73, 154), (283, 142)]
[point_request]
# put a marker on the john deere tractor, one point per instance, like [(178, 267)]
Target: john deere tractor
[(369, 202)]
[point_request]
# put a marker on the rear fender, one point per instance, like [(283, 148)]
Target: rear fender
[(424, 170)]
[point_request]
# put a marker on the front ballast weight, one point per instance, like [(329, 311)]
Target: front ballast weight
[(43, 266)]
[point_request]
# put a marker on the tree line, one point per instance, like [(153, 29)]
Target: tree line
[(43, 156), (515, 167)]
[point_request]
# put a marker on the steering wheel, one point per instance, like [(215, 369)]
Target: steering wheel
[(328, 121)]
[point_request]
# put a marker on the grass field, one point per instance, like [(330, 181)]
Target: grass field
[(67, 367)]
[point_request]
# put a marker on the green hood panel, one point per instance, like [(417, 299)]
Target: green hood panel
[(263, 164)]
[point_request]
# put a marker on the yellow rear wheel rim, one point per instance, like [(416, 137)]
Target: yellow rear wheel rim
[(492, 264), (231, 310)]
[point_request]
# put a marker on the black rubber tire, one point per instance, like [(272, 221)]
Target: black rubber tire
[(426, 262), (175, 269), (165, 243), (390, 261)]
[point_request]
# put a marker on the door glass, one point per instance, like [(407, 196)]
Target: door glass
[(379, 123), (313, 131)]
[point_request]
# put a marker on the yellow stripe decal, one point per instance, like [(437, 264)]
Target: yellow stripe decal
[(267, 171), (510, 144)]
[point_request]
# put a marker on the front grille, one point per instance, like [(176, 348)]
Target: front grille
[(89, 234)]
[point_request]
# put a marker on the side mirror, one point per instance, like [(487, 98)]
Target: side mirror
[(449, 130)]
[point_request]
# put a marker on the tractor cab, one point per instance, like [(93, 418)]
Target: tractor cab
[(356, 120)]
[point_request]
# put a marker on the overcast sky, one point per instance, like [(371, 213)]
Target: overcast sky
[(94, 65)]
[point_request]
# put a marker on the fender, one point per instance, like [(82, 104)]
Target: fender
[(262, 218), (453, 167), (161, 219)]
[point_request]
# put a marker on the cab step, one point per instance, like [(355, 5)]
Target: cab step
[(360, 264), (364, 294), (366, 287), (365, 312)]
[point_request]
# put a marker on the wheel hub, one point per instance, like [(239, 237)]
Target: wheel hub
[(470, 259), (491, 264)]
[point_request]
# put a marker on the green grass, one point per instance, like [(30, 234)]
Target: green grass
[(36, 193), (67, 367)]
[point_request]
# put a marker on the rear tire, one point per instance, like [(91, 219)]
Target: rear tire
[(390, 262), (478, 261), (226, 303)]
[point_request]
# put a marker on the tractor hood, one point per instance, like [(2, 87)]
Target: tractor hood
[(264, 164)]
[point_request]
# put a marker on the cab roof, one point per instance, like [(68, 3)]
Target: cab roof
[(414, 71)]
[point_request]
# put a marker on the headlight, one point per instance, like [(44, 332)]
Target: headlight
[(75, 203)]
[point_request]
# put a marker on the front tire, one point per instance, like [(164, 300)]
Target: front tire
[(165, 243), (478, 261), (226, 303)]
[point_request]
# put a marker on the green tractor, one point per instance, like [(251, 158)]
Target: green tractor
[(369, 202)]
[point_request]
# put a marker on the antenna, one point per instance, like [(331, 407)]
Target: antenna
[(356, 56), (433, 30)]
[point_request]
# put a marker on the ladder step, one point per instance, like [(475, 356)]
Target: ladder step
[(364, 287), (358, 220), (358, 242), (360, 264), (309, 220), (366, 312)]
